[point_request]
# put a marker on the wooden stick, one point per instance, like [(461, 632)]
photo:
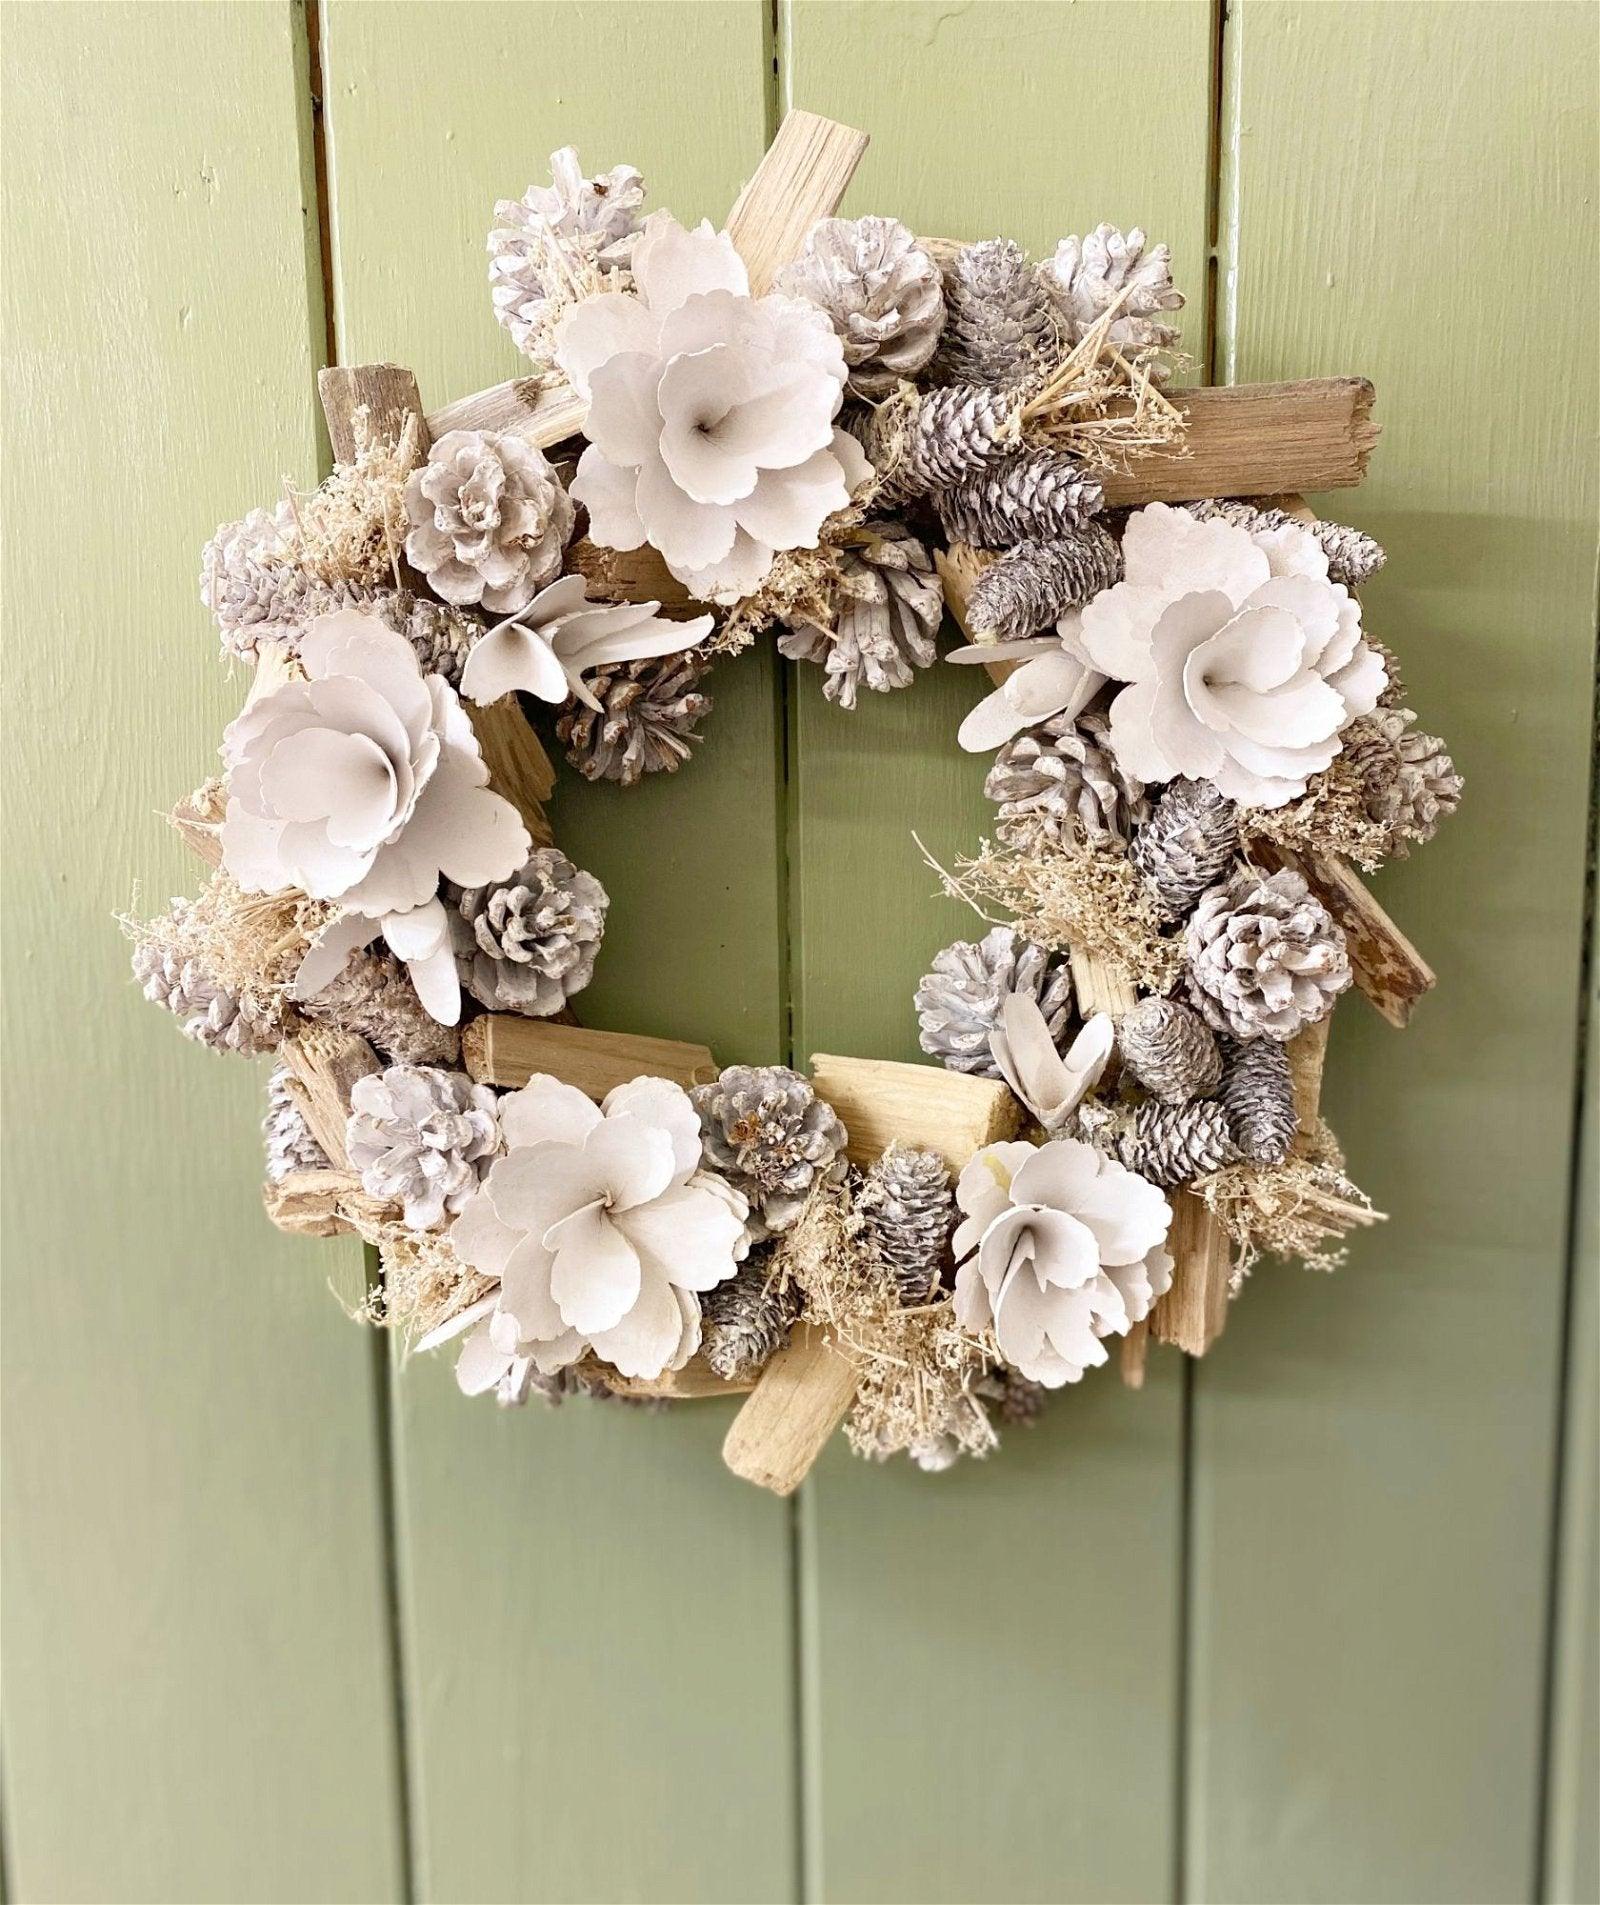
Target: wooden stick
[(1135, 1350), (519, 768), (1192, 1313), (324, 1065), (546, 412), (322, 1203), (801, 179), (881, 1100), (631, 575), (802, 1395), (389, 392), (1101, 986), (695, 1382), (1308, 1053), (503, 1049)]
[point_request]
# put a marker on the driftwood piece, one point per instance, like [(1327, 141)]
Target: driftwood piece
[(697, 1381), (197, 821), (389, 392), (1135, 1350), (1191, 1314), (1307, 1053), (881, 1100), (801, 1396), (1101, 986), (802, 177), (545, 411), (323, 1067), (505, 1050), (519, 768), (323, 1203), (631, 575)]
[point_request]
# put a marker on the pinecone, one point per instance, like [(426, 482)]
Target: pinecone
[(1086, 275), (420, 1137), (882, 294), (1265, 958), (1032, 495), (288, 1140), (373, 997), (1173, 1144), (1060, 784), (1188, 844), (770, 1135), (206, 1010), (1411, 781), (1170, 1050), (252, 582), (649, 717), (1016, 1398), (489, 520), (442, 636), (959, 1002), (1258, 1095), (587, 223), (1035, 583), (953, 435), (1353, 558), (909, 1208), (1001, 330), (744, 1320), (887, 615), (528, 944)]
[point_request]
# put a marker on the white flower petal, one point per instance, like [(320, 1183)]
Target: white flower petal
[(671, 264), (600, 328), (509, 659), (546, 1109), (609, 491)]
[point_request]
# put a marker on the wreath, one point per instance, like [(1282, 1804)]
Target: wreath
[(826, 432)]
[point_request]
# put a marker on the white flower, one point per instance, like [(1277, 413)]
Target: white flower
[(548, 647), (1245, 662), (1050, 1085), (710, 426), (1060, 1248), (1056, 677), (601, 1225)]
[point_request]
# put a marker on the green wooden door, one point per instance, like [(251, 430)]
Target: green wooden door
[(1312, 1622)]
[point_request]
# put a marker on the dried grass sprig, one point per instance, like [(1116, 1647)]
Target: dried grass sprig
[(352, 527), (1293, 1209), (1102, 407)]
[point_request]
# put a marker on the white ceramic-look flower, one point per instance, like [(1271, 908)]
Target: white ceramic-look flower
[(1056, 677), (561, 635), (711, 432), (1245, 663), (601, 1226), (1058, 1248), (1051, 1085)]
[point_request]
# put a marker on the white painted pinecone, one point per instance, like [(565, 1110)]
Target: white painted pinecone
[(252, 582), (529, 944), (648, 720), (1258, 1095), (590, 222), (1188, 844), (747, 1317), (1034, 583), (1086, 274), (1174, 1144), (959, 1002), (1030, 495), (955, 433), (1412, 783), (373, 998), (1265, 958), (887, 613), (1002, 329), (442, 636), (420, 1138), (489, 518), (909, 1207), (770, 1135), (286, 1137), (206, 1011), (1353, 557), (881, 292), (1059, 783), (1170, 1050)]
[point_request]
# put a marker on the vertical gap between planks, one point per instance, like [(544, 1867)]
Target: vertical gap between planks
[(319, 234)]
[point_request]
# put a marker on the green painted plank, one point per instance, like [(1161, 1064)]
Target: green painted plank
[(1373, 1452), (598, 1616), (197, 1702), (991, 1653)]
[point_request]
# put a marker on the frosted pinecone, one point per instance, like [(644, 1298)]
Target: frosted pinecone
[(286, 1136), (420, 1138), (373, 998), (206, 1010), (1033, 584), (886, 617), (954, 434), (1258, 1095), (252, 582), (442, 636), (959, 1002), (1017, 1398), (1410, 779), (748, 1317), (770, 1135), (1086, 276), (1002, 329), (1033, 495), (881, 292), (1170, 1050), (909, 1207), (490, 519), (1174, 1144), (1352, 556), (573, 228), (528, 944), (1189, 843), (648, 719), (1265, 957), (1060, 784)]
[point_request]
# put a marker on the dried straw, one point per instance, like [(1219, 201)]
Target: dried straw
[(352, 528), (1292, 1209)]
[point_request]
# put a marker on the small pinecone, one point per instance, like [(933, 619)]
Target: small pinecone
[(881, 292), (1035, 583), (909, 1207), (1352, 557), (1034, 495), (744, 1320), (1188, 844), (528, 944), (1086, 275), (593, 222), (959, 1002), (1002, 329), (252, 582), (1059, 783), (1017, 1398), (420, 1137), (649, 718), (373, 997), (206, 1011), (1411, 782), (1265, 957), (442, 636), (1170, 1050), (770, 1135), (954, 434), (289, 1143), (1258, 1095), (1173, 1144), (887, 617)]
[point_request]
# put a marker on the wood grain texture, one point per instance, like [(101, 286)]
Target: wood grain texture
[(802, 1395), (197, 1698), (597, 1564), (502, 1049), (883, 1102), (927, 1651), (1373, 1451)]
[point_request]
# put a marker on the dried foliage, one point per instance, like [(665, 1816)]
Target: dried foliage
[(353, 527), (1293, 1209)]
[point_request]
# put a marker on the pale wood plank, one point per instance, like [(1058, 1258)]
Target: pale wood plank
[(502, 1049), (802, 177), (881, 1100), (803, 1394)]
